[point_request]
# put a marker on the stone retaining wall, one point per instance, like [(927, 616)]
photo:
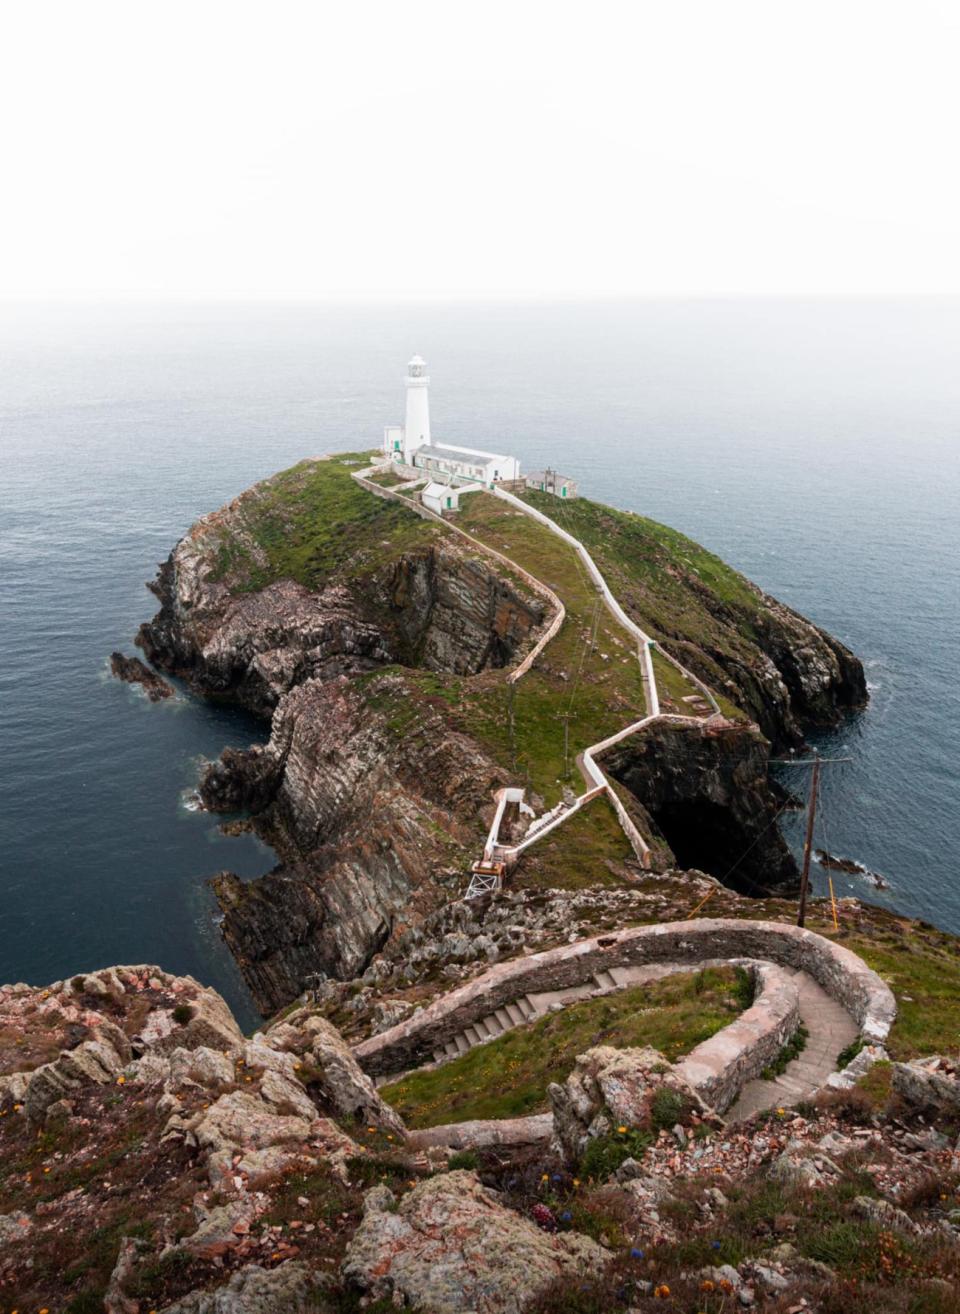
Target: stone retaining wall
[(719, 1068), (842, 974)]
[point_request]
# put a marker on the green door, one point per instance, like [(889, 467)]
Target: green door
[(449, 503), (563, 491)]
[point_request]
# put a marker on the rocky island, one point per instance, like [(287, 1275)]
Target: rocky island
[(620, 1078), (377, 644)]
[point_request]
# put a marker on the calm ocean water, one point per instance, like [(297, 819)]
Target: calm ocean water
[(812, 444)]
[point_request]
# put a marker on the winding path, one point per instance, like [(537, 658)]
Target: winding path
[(799, 976), (827, 988), (595, 779)]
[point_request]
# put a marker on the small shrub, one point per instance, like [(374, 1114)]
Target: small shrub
[(604, 1154), (668, 1107), (849, 1052), (182, 1014), (87, 1302), (743, 988), (791, 1050), (465, 1159), (853, 1105), (930, 1190), (78, 984)]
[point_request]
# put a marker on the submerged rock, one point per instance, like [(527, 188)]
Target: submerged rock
[(134, 671)]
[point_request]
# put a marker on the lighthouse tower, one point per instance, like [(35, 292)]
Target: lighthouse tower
[(417, 429)]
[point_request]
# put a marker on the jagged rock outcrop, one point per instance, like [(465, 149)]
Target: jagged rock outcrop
[(613, 1088), (133, 671), (333, 1075), (172, 1153), (930, 1084), (370, 792), (228, 626), (96, 1023), (704, 788), (451, 1247)]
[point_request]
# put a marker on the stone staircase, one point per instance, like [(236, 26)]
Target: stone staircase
[(830, 1029), (530, 1007)]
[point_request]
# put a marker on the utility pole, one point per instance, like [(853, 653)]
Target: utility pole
[(808, 842), (816, 762)]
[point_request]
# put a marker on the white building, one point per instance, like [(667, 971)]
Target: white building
[(412, 444), (442, 497)]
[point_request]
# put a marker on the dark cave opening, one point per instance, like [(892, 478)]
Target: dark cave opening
[(706, 836)]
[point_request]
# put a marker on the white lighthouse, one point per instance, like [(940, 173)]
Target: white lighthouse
[(412, 449), (417, 428)]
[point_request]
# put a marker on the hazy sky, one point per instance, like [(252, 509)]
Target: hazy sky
[(672, 146)]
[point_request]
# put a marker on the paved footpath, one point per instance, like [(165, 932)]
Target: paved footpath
[(830, 1029)]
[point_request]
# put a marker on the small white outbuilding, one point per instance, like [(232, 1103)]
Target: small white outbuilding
[(440, 498)]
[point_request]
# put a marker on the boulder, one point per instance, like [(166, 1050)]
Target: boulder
[(210, 1024), (931, 1084), (241, 1120), (802, 1164), (451, 1247), (885, 1215), (293, 1288), (207, 1067), (609, 1088), (93, 1061), (335, 1076)]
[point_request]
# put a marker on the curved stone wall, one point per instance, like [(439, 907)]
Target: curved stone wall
[(842, 974)]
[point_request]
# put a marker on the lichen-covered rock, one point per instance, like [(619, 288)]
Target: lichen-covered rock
[(610, 1088), (931, 1084), (451, 1247), (242, 1120), (334, 1076), (14, 1227), (805, 1165), (93, 1061), (293, 1288)]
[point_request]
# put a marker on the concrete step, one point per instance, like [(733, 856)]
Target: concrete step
[(492, 1024), (472, 1034), (451, 1050), (526, 1007), (514, 1013), (605, 980), (503, 1017)]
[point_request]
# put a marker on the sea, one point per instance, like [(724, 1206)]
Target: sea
[(812, 443)]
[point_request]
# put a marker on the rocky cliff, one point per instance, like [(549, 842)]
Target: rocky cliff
[(372, 641), (293, 581), (703, 789), (787, 673), (156, 1159)]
